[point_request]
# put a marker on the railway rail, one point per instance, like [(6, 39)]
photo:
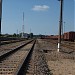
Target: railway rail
[(12, 61), (25, 60), (9, 48), (66, 47), (9, 41), (29, 58), (36, 63)]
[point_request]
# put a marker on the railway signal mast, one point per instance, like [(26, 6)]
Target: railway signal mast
[(60, 24)]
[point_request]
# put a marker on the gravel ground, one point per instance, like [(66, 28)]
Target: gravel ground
[(59, 63), (62, 67), (41, 67)]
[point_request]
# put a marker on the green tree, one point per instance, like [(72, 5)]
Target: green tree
[(31, 35)]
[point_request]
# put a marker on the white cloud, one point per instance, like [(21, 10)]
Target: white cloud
[(40, 8)]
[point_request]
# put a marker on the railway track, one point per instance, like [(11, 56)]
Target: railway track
[(10, 41), (29, 59), (26, 60), (36, 63), (11, 63), (7, 49), (66, 47)]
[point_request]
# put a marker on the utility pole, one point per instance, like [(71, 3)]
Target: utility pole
[(0, 17), (60, 24)]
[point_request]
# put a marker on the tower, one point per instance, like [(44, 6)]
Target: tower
[(23, 27)]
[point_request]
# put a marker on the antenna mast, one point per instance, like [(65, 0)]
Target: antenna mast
[(23, 27)]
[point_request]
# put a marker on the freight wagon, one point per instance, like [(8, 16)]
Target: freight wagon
[(69, 36)]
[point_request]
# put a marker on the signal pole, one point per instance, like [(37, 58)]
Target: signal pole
[(60, 24)]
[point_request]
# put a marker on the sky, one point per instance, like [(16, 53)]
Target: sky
[(40, 16)]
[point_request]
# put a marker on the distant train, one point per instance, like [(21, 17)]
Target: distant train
[(68, 36)]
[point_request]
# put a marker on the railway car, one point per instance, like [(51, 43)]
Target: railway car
[(69, 36)]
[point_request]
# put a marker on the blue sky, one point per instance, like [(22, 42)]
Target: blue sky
[(40, 16)]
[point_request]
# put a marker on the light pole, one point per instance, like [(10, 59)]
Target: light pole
[(60, 24)]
